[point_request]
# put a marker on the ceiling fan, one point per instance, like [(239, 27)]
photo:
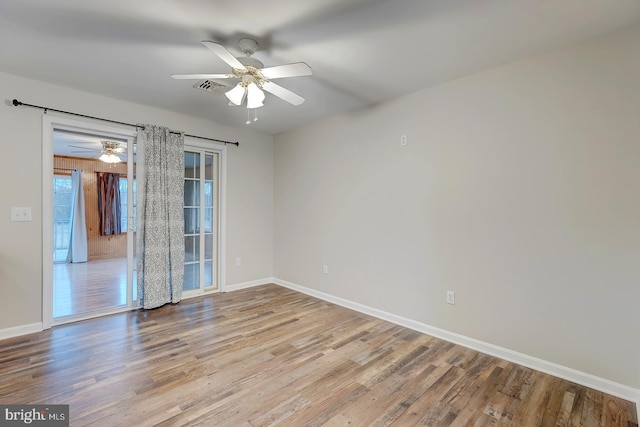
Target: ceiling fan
[(252, 75), (111, 151)]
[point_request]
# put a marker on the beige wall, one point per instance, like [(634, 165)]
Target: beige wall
[(519, 189), (249, 188)]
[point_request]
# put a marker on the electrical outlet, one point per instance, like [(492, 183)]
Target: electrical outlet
[(325, 269), (403, 140), (238, 262), (451, 297)]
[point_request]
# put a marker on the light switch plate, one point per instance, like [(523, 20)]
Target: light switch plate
[(21, 214)]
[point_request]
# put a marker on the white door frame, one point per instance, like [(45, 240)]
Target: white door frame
[(49, 124)]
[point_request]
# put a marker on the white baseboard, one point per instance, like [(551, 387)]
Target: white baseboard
[(16, 331), (582, 378), (245, 285)]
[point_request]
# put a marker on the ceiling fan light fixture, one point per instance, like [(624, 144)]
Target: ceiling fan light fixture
[(237, 94), (255, 96), (109, 158)]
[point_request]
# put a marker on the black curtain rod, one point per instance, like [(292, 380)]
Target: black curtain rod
[(19, 103)]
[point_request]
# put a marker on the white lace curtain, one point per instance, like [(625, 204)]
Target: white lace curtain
[(78, 226), (160, 234)]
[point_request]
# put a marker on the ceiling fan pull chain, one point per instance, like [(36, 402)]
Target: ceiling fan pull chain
[(248, 119)]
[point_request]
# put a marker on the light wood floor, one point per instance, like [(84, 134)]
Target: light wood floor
[(88, 287), (272, 356)]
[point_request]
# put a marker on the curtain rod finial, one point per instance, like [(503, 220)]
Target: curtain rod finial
[(16, 103)]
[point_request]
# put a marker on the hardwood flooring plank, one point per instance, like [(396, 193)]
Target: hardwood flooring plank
[(272, 356)]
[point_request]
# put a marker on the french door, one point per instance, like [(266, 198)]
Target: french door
[(201, 221)]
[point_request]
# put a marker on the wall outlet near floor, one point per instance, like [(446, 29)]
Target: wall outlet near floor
[(451, 297), (325, 269), (403, 140), (238, 262)]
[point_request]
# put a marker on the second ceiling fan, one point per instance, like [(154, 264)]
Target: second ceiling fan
[(111, 151), (252, 75)]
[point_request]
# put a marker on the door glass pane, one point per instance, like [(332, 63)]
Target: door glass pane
[(208, 168), (191, 165), (191, 248), (124, 202), (208, 273), (208, 193), (191, 276), (208, 246), (191, 220), (208, 220), (191, 193)]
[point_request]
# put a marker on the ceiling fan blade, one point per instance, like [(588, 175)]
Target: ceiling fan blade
[(283, 93), (288, 70), (86, 148), (224, 54), (202, 76)]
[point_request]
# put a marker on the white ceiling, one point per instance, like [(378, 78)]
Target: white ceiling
[(361, 51)]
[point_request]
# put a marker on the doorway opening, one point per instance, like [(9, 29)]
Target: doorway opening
[(88, 227), (95, 281)]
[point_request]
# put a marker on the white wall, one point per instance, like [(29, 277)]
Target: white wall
[(519, 190), (249, 188)]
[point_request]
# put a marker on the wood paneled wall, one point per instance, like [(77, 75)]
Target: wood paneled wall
[(97, 246)]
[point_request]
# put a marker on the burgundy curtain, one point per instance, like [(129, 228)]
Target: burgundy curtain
[(109, 203)]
